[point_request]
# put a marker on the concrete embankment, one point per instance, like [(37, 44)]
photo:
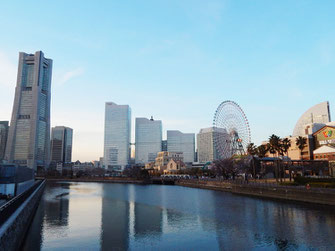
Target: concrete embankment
[(301, 194), (14, 228)]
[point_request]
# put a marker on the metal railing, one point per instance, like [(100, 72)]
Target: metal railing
[(11, 206)]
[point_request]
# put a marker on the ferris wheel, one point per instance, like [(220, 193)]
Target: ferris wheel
[(231, 130)]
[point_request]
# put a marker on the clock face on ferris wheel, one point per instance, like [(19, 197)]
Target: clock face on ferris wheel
[(231, 130)]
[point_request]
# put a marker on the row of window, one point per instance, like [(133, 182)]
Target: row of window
[(24, 116), (324, 156)]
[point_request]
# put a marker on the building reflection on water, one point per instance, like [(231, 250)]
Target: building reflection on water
[(52, 213), (114, 218), (125, 217), (148, 220), (57, 205)]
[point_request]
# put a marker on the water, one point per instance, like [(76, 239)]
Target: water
[(102, 216)]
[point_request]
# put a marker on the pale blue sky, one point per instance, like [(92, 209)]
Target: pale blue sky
[(176, 60)]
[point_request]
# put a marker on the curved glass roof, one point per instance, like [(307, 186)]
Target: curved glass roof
[(316, 114)]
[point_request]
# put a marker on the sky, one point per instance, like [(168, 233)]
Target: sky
[(175, 60)]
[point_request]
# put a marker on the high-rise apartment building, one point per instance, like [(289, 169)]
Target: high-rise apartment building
[(3, 138), (148, 139), (61, 144), (205, 143), (117, 136), (28, 141), (182, 142)]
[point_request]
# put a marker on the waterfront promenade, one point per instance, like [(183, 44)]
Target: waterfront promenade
[(16, 215)]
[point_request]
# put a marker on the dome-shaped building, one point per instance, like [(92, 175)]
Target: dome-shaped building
[(317, 114)]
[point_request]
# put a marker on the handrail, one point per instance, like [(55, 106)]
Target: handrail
[(10, 207)]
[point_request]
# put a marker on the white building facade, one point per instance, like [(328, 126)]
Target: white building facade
[(148, 139), (182, 142), (117, 136)]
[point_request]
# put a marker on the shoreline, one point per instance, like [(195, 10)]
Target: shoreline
[(289, 194), (283, 193)]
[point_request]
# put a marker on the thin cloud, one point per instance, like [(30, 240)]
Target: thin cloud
[(67, 76)]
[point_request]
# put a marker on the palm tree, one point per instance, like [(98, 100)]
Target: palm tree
[(274, 144), (271, 149), (286, 144), (261, 151), (301, 142), (251, 149)]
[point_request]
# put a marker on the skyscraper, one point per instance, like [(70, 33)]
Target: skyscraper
[(205, 142), (164, 145), (61, 144), (117, 136), (148, 140), (3, 138), (29, 133), (182, 142)]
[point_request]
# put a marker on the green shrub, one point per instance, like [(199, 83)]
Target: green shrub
[(304, 180)]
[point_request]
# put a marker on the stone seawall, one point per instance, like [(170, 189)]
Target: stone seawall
[(13, 231), (316, 196)]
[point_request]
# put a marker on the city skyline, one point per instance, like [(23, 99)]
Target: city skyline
[(176, 69)]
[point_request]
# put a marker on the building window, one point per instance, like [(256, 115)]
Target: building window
[(24, 116)]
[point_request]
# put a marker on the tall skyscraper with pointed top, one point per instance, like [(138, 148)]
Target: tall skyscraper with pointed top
[(29, 133)]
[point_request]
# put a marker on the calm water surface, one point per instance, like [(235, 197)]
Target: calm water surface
[(101, 216)]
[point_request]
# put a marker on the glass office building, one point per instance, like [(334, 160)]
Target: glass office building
[(117, 136), (61, 144), (28, 141), (182, 142), (205, 143), (148, 140)]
